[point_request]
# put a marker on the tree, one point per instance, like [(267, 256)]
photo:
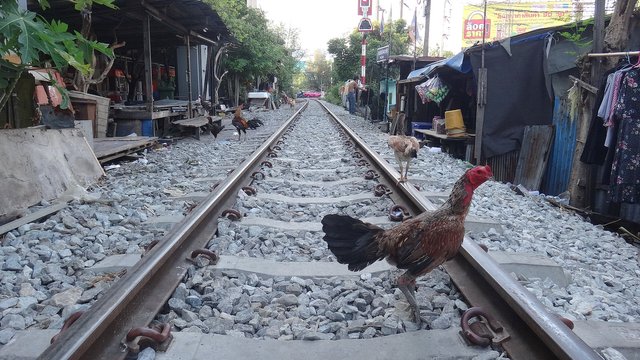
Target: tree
[(83, 80), (617, 32), (318, 72), (346, 53), (261, 48), (33, 41)]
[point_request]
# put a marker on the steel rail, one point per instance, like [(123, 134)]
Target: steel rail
[(555, 335), (139, 295)]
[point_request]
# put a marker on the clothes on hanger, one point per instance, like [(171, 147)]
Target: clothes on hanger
[(625, 172)]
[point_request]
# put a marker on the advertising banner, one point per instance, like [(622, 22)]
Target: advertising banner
[(508, 19)]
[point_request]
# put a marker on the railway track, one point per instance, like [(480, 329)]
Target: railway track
[(268, 239)]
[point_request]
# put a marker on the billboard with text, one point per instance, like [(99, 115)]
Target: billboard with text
[(508, 19)]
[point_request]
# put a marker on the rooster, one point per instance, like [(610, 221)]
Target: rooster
[(405, 148), (240, 123), (214, 128), (417, 245)]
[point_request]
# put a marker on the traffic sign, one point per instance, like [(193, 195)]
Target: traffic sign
[(383, 54), (365, 25), (364, 6)]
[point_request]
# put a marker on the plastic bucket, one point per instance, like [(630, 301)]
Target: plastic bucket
[(453, 119)]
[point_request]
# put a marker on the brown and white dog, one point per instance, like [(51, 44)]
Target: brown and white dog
[(287, 100)]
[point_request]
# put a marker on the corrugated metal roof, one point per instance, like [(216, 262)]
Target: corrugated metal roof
[(125, 23)]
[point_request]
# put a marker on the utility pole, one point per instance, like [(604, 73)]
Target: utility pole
[(427, 22), (401, 7)]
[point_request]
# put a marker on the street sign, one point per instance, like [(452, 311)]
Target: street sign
[(366, 5), (383, 54), (365, 25)]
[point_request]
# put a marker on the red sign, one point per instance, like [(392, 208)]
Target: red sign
[(473, 28), (364, 4)]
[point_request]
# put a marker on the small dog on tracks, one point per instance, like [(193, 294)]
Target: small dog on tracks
[(287, 100)]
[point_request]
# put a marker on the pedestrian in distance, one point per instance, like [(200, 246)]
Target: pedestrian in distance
[(352, 87)]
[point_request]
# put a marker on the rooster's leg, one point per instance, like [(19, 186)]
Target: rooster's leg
[(407, 284)]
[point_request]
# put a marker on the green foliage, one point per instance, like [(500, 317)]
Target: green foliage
[(333, 94), (346, 51), (37, 41), (87, 4), (578, 34), (262, 48), (317, 72)]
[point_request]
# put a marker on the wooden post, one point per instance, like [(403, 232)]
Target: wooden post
[(148, 80), (598, 42), (481, 100), (189, 107), (208, 79), (427, 22), (581, 181)]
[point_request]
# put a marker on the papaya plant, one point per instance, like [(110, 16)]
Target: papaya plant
[(29, 40)]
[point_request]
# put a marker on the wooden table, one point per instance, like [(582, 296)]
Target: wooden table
[(458, 146), (197, 122)]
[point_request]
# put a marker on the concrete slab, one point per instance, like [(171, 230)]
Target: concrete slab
[(211, 179), (531, 265), (317, 172), (27, 344), (41, 164), (599, 335), (432, 344), (320, 183), (165, 219), (36, 215), (440, 344), (292, 160), (196, 195), (472, 224), (115, 263), (300, 269), (317, 200), (284, 225)]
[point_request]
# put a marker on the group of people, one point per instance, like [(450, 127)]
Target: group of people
[(350, 89)]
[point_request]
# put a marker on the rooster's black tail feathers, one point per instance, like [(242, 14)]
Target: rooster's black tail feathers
[(352, 241)]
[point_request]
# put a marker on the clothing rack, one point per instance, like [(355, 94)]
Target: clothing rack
[(621, 53)]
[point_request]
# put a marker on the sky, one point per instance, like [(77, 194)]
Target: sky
[(321, 20)]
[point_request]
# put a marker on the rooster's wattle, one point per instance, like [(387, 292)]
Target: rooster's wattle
[(417, 245)]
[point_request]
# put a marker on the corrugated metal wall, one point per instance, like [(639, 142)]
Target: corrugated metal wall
[(558, 171), (504, 166)]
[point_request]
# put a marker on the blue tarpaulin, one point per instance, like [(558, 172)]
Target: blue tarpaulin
[(456, 62)]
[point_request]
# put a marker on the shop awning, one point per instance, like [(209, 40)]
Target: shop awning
[(456, 62)]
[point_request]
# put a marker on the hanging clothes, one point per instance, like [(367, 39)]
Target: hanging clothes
[(594, 151), (625, 172)]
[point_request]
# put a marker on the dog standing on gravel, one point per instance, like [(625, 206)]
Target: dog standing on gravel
[(287, 100)]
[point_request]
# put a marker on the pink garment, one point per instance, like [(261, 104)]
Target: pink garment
[(614, 99)]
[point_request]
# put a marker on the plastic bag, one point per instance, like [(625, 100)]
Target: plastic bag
[(432, 90)]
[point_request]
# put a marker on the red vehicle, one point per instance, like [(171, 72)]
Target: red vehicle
[(312, 94)]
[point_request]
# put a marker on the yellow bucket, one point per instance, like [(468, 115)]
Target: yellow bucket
[(453, 119)]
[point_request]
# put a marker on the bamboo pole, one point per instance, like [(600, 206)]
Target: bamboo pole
[(621, 53)]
